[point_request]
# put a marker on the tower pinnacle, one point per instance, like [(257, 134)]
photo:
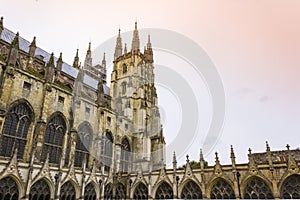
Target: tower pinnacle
[(118, 49), (135, 40)]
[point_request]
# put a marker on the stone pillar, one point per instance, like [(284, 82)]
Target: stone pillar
[(40, 130)]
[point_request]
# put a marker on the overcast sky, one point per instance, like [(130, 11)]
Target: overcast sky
[(255, 46)]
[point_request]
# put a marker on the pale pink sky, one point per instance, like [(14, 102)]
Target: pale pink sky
[(254, 44)]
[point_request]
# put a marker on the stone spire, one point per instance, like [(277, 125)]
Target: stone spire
[(76, 61), (118, 49), (32, 47), (148, 51), (1, 25), (14, 51), (50, 69), (125, 49), (174, 161), (269, 155), (149, 45), (104, 61), (59, 63), (88, 58), (232, 156), (202, 164), (135, 40)]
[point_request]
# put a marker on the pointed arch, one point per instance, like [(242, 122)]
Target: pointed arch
[(191, 190), (54, 136), (83, 143), (256, 188), (67, 191), (140, 191), (9, 188), (221, 189), (107, 150), (290, 188), (108, 191), (125, 154), (90, 192), (120, 191), (164, 191), (17, 124), (40, 190)]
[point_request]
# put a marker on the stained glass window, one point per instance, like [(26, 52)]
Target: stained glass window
[(89, 192), (125, 155), (67, 191), (107, 150), (40, 191), (120, 191), (222, 190), (17, 122), (8, 189), (256, 188), (140, 192), (164, 191), (83, 143), (108, 192), (291, 187), (54, 136), (191, 191)]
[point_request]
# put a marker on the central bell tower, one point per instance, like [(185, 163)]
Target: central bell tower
[(135, 102)]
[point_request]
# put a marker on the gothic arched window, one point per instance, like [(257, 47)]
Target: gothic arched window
[(40, 191), (83, 143), (124, 69), (67, 191), (140, 192), (16, 126), (191, 191), (256, 188), (54, 136), (108, 192), (164, 191), (8, 189), (120, 191), (291, 187), (125, 155), (89, 192), (107, 150), (222, 190)]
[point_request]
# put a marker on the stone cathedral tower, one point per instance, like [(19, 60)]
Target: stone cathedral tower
[(135, 102)]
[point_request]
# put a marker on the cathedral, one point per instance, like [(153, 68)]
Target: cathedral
[(65, 133)]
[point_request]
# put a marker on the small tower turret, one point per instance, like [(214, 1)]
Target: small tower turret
[(1, 25)]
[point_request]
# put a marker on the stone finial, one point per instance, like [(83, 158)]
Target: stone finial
[(118, 49), (135, 39), (59, 63), (15, 42), (103, 60), (174, 161), (149, 45), (32, 47), (217, 157), (201, 155), (267, 147), (187, 158), (250, 151), (288, 147), (125, 49), (232, 156), (1, 25), (76, 60)]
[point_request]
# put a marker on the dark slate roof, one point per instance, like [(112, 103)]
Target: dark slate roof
[(277, 156), (94, 83), (8, 37)]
